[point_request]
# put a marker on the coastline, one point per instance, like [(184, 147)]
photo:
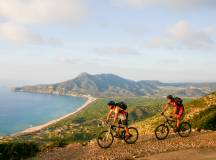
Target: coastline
[(42, 126)]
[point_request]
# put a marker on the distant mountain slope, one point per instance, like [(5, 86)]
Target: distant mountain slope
[(108, 85)]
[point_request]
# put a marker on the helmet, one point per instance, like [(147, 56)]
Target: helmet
[(111, 103), (170, 97)]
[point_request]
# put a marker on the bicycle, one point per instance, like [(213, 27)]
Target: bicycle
[(162, 131), (106, 137)]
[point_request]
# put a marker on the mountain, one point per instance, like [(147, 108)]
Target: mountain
[(108, 85)]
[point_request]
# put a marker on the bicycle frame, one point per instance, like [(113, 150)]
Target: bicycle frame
[(169, 122), (110, 127)]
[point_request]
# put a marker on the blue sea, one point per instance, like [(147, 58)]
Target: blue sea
[(19, 110)]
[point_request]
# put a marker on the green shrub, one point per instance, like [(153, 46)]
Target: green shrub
[(206, 119), (59, 142), (17, 150), (79, 137)]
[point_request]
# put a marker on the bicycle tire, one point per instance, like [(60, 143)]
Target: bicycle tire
[(182, 132), (157, 130), (136, 138), (100, 136)]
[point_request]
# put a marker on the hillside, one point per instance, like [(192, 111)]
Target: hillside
[(110, 85), (147, 146), (199, 146), (143, 113), (199, 112)]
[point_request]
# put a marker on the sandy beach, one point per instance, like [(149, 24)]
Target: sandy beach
[(39, 127)]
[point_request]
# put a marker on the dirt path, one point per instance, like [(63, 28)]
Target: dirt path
[(190, 154), (200, 145)]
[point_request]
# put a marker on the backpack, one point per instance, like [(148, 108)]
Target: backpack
[(122, 105), (178, 101)]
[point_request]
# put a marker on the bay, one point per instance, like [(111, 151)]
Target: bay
[(20, 110)]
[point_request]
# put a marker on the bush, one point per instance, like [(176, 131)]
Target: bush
[(79, 137), (17, 150), (206, 119)]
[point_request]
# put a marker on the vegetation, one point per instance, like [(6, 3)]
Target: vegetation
[(143, 113), (17, 150), (206, 119)]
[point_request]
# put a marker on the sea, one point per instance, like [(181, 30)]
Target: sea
[(20, 110)]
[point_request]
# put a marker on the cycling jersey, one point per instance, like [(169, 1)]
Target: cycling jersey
[(179, 109), (122, 116)]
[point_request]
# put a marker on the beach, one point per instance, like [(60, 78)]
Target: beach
[(39, 127)]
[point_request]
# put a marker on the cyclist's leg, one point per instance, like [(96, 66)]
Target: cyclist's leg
[(177, 121), (178, 117), (125, 123), (118, 127)]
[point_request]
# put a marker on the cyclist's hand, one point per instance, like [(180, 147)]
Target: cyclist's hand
[(106, 121), (113, 126), (171, 117)]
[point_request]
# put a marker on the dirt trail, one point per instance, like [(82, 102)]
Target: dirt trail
[(190, 154), (200, 145)]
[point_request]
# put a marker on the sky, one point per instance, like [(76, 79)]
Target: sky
[(55, 40)]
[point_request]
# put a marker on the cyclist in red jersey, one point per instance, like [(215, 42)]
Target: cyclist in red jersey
[(178, 108)]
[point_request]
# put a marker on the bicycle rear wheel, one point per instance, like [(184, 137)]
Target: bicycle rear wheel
[(161, 132), (184, 129), (134, 134), (105, 139)]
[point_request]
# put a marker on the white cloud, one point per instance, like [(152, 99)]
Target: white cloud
[(66, 60), (43, 11), (165, 3), (182, 34), (19, 15), (116, 51), (18, 33)]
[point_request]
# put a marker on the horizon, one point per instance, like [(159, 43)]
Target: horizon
[(9, 84), (136, 39)]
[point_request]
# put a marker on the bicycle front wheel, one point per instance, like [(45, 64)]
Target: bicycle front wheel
[(184, 129), (161, 132), (105, 139), (134, 134)]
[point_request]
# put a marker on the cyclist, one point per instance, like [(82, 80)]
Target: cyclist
[(120, 114), (178, 108)]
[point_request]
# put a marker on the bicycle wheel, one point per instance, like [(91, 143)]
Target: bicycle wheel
[(184, 129), (134, 135), (161, 132), (105, 139)]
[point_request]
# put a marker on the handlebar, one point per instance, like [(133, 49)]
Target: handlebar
[(168, 117), (104, 123)]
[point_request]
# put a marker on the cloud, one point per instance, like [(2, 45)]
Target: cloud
[(18, 33), (183, 35), (19, 15), (43, 11), (177, 4), (116, 51), (66, 60)]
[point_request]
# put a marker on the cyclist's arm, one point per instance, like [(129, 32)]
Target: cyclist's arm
[(109, 114), (116, 115), (174, 110), (165, 107)]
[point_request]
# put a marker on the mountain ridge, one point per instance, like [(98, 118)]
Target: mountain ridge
[(109, 85)]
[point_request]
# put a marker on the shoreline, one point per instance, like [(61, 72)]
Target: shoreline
[(42, 126)]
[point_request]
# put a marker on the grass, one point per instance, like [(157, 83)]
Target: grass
[(206, 119), (83, 126)]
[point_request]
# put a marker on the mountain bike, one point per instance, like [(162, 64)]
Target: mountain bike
[(162, 131), (106, 137)]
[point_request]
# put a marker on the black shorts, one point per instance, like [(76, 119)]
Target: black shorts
[(124, 122)]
